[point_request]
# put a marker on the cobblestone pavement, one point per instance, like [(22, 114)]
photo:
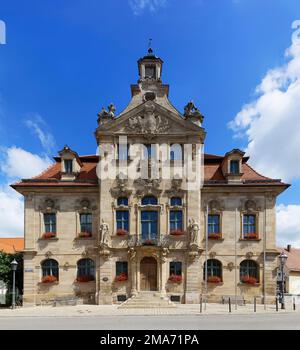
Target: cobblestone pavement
[(112, 310)]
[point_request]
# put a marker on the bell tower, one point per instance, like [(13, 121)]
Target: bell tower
[(150, 67)]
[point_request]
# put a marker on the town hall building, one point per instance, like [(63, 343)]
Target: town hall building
[(191, 224)]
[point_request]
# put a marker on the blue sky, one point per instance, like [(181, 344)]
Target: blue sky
[(64, 60)]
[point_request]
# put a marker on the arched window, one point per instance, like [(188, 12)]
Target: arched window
[(149, 200), (176, 152), (176, 201), (214, 270), (50, 270), (85, 270), (122, 201), (249, 272)]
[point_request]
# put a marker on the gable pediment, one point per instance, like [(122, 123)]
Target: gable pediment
[(149, 119)]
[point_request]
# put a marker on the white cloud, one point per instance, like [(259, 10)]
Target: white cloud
[(11, 213), (288, 225), (139, 6), (271, 123), (18, 163), (39, 127), (15, 164)]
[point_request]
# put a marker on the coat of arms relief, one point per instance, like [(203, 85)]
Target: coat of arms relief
[(149, 122)]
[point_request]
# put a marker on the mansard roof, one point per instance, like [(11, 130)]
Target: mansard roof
[(87, 177)]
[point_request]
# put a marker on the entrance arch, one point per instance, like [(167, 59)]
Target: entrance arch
[(148, 274)]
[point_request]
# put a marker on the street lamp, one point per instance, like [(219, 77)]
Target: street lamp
[(282, 259), (14, 266)]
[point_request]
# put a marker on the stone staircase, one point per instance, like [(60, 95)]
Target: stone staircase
[(145, 300)]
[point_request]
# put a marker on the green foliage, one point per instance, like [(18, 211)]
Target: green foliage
[(6, 272)]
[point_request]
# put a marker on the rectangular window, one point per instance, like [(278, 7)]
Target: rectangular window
[(123, 151), (175, 268), (68, 165), (149, 224), (249, 224), (150, 72), (122, 220), (234, 167), (213, 224), (121, 267), (175, 220), (86, 223), (50, 222)]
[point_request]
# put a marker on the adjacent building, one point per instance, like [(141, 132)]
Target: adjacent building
[(107, 239)]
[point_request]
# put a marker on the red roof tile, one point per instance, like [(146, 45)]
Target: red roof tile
[(88, 176), (11, 245)]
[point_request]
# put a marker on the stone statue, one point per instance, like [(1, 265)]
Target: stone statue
[(104, 230), (131, 253), (191, 111), (194, 229), (111, 110), (106, 115)]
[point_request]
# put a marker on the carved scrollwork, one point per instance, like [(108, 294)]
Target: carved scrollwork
[(147, 187), (120, 189), (230, 266), (249, 255), (175, 190), (49, 205), (149, 122)]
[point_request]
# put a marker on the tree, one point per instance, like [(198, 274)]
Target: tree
[(6, 272)]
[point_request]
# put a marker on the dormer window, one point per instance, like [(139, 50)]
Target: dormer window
[(234, 167), (150, 71), (68, 166)]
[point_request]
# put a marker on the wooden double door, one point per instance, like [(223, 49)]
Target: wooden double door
[(148, 274)]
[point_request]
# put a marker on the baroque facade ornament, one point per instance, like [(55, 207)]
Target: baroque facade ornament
[(193, 230), (149, 122), (191, 111), (147, 186), (120, 189), (105, 116), (175, 190), (104, 234)]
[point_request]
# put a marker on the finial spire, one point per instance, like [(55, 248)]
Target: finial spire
[(150, 51)]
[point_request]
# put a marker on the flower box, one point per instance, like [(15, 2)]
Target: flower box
[(177, 232), (49, 279), (48, 235), (121, 232), (122, 277), (85, 234), (214, 236), (175, 278), (149, 242), (214, 279), (249, 280), (250, 236), (83, 279)]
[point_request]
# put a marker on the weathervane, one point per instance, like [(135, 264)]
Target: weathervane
[(149, 46)]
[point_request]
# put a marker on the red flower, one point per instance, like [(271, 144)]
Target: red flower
[(85, 234), (214, 279), (121, 277), (49, 279), (177, 232), (149, 242), (48, 235), (249, 280), (121, 232), (86, 278), (214, 236), (251, 235), (175, 278)]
